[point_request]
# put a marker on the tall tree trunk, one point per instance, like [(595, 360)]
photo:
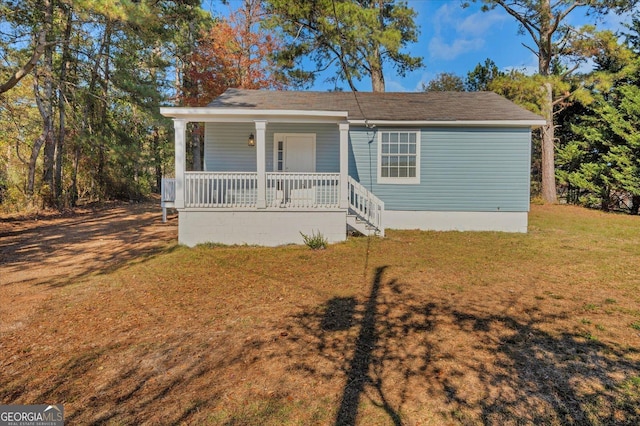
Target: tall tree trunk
[(102, 118), (545, 54), (549, 193), (63, 99), (93, 113), (377, 78), (157, 159), (375, 58), (45, 106), (33, 161), (605, 199), (73, 192)]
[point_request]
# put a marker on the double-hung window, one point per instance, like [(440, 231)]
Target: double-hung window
[(399, 156)]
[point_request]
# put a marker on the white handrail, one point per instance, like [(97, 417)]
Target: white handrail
[(167, 195), (365, 204)]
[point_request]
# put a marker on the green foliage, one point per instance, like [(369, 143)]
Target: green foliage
[(560, 50), (108, 70), (315, 241), (481, 77), (602, 160), (520, 88), (444, 82), (19, 127), (355, 36), (632, 38)]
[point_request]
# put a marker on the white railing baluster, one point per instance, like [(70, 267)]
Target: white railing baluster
[(284, 190), (365, 204), (168, 190), (303, 190), (213, 190)]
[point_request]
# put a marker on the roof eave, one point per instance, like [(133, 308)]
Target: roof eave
[(453, 122), (248, 114)]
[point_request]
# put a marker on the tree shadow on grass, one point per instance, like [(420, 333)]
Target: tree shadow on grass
[(394, 349), (548, 378), (388, 353), (376, 345)]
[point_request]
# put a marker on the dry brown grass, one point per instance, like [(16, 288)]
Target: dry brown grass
[(419, 328)]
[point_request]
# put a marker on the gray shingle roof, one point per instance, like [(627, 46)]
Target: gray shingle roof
[(424, 106)]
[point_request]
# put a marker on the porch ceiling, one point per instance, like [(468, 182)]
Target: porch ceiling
[(208, 114)]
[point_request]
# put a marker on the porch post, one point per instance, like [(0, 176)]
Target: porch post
[(179, 127), (261, 167), (344, 165)]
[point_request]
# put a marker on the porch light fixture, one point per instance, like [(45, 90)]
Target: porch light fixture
[(252, 140)]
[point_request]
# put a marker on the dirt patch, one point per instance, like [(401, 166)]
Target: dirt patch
[(39, 253)]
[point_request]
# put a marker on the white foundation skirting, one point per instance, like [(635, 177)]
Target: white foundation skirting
[(456, 221), (262, 227)]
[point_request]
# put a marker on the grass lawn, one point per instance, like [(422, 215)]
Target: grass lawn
[(419, 328)]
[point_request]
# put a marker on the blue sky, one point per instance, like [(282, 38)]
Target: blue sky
[(456, 39), (453, 39)]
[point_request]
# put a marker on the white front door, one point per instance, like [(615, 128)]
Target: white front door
[(295, 153)]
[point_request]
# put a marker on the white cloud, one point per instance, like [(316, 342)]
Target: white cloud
[(398, 86), (444, 17), (440, 49), (456, 34), (395, 86), (481, 23)]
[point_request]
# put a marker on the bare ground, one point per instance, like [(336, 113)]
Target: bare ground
[(45, 251)]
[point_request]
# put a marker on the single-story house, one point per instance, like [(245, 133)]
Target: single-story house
[(281, 163)]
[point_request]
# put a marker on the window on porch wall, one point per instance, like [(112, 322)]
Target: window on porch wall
[(280, 156)]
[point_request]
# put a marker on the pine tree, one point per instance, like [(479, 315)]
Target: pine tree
[(357, 36), (547, 24), (602, 161)]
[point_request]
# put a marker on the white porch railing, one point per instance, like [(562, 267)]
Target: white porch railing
[(239, 189), (167, 195), (366, 205), (212, 189), (283, 190), (168, 190), (303, 190)]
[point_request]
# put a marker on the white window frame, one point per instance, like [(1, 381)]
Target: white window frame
[(413, 180)]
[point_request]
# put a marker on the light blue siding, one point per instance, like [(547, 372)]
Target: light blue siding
[(462, 169), (226, 148)]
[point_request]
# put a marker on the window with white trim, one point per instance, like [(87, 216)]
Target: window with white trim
[(399, 156)]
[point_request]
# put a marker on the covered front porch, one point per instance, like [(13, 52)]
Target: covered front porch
[(294, 186)]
